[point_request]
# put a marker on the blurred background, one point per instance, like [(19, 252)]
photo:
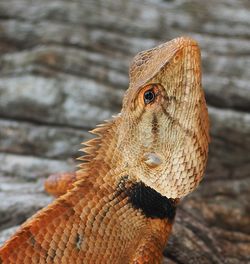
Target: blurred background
[(64, 68)]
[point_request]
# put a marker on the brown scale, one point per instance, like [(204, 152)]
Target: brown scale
[(119, 206)]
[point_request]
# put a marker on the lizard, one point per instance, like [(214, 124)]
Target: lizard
[(120, 205)]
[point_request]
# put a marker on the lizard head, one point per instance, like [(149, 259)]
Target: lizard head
[(164, 132)]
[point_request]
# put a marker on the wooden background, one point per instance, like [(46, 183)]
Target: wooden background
[(64, 68)]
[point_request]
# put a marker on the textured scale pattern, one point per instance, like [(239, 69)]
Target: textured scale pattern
[(119, 206)]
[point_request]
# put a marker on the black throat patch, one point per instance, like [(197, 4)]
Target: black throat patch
[(152, 203)]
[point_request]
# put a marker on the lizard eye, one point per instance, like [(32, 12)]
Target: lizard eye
[(149, 96)]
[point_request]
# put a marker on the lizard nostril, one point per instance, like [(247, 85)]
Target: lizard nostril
[(176, 58), (152, 159)]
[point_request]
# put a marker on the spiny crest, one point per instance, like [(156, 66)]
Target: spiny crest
[(92, 146)]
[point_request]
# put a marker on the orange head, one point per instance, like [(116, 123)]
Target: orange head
[(164, 130)]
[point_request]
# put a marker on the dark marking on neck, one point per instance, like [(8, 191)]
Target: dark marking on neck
[(151, 203), (188, 132), (175, 121), (155, 125), (155, 128)]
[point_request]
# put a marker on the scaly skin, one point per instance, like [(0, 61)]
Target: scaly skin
[(121, 206)]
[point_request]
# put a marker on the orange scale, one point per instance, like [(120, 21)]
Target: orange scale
[(27, 259), (79, 259), (64, 238), (101, 231), (60, 252), (35, 258), (68, 225), (15, 257), (56, 259), (73, 237), (88, 231), (95, 228), (57, 237), (51, 252), (94, 211), (66, 259), (28, 251), (53, 245), (66, 233), (61, 229), (45, 244), (91, 245), (100, 217)]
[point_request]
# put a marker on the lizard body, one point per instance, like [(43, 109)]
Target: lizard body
[(121, 206)]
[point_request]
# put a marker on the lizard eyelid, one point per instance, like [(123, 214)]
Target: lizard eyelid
[(150, 93)]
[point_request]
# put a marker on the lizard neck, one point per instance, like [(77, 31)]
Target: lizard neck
[(105, 166)]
